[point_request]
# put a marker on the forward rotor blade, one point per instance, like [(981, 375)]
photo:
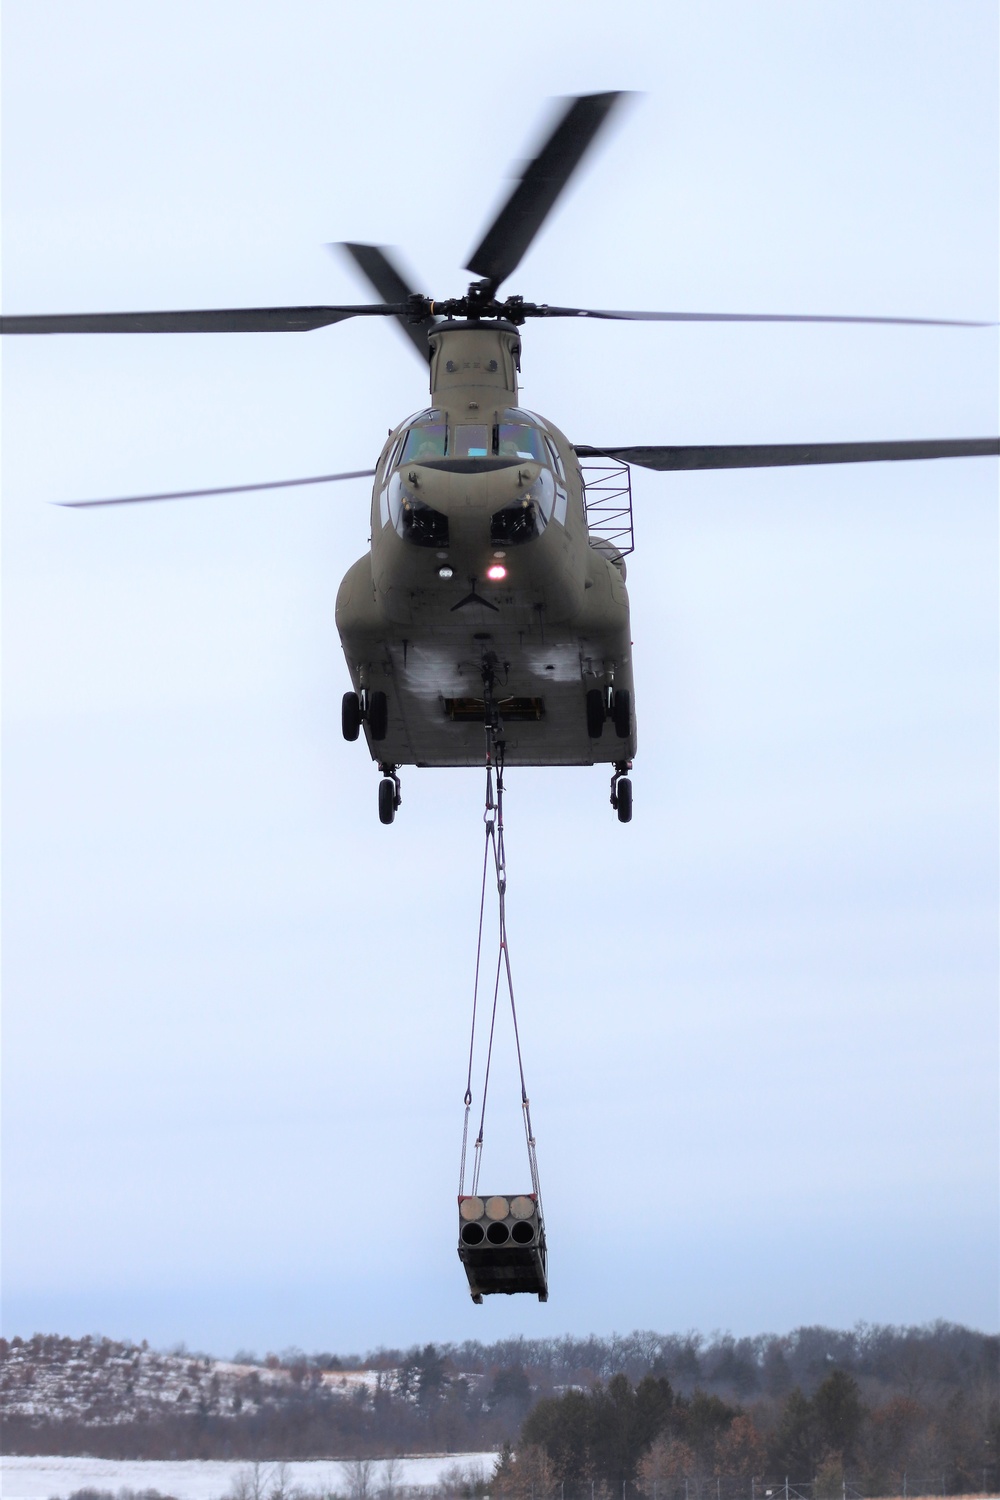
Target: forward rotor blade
[(377, 266), (515, 226), (228, 489), (777, 455), (696, 317), (208, 320)]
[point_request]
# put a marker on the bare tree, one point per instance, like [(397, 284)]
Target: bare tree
[(280, 1486), (252, 1482), (360, 1479), (391, 1477)]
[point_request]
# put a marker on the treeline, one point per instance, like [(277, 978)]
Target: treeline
[(647, 1438), (666, 1416), (911, 1361)]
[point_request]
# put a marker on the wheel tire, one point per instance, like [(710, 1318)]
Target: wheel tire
[(350, 716), (378, 715), (595, 713), (622, 714), (624, 795), (386, 800)]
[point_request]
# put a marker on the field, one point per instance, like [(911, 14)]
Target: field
[(28, 1478)]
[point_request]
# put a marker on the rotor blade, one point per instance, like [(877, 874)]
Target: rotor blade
[(377, 266), (777, 455), (228, 489), (695, 317), (515, 226), (209, 320)]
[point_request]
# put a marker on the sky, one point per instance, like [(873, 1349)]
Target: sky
[(759, 1022)]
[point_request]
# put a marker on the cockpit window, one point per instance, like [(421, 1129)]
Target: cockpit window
[(472, 442), (557, 462), (429, 440), (515, 440)]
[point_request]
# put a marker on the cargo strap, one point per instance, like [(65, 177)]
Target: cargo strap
[(493, 818)]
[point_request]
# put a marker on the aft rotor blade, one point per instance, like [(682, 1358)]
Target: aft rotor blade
[(697, 317), (515, 226), (228, 489), (208, 320), (777, 455), (377, 266)]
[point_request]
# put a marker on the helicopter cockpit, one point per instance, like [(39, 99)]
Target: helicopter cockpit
[(432, 440)]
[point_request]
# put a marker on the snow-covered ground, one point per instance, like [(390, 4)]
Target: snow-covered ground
[(211, 1479)]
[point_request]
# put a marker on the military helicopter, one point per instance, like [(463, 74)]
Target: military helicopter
[(489, 595)]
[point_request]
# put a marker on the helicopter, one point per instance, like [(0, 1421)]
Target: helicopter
[(491, 596)]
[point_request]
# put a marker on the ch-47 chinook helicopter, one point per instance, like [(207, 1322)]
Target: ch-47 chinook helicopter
[(486, 596)]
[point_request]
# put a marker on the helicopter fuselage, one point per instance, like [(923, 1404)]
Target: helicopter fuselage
[(482, 579)]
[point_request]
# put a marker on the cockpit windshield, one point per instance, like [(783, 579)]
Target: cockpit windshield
[(427, 439), (515, 440), (516, 435)]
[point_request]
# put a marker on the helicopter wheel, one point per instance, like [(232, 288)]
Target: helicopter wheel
[(378, 715), (622, 714), (595, 713), (386, 800), (350, 716), (624, 800)]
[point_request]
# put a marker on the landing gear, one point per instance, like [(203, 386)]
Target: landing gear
[(350, 716), (621, 713), (378, 715), (604, 703), (386, 800), (621, 790), (371, 709), (388, 794)]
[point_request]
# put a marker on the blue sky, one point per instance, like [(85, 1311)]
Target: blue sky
[(760, 1023)]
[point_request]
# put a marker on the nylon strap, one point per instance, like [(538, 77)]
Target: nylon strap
[(493, 818)]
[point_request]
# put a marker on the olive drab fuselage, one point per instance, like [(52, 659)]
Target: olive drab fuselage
[(481, 560)]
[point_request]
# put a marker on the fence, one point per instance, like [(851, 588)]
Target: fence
[(900, 1486)]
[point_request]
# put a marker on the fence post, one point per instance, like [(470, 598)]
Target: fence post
[(786, 1488), (904, 1484)]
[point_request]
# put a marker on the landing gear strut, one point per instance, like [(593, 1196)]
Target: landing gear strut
[(621, 790), (389, 796)]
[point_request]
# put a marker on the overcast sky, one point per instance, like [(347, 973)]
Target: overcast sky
[(760, 1022)]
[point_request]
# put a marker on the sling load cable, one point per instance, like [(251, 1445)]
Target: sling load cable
[(493, 818)]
